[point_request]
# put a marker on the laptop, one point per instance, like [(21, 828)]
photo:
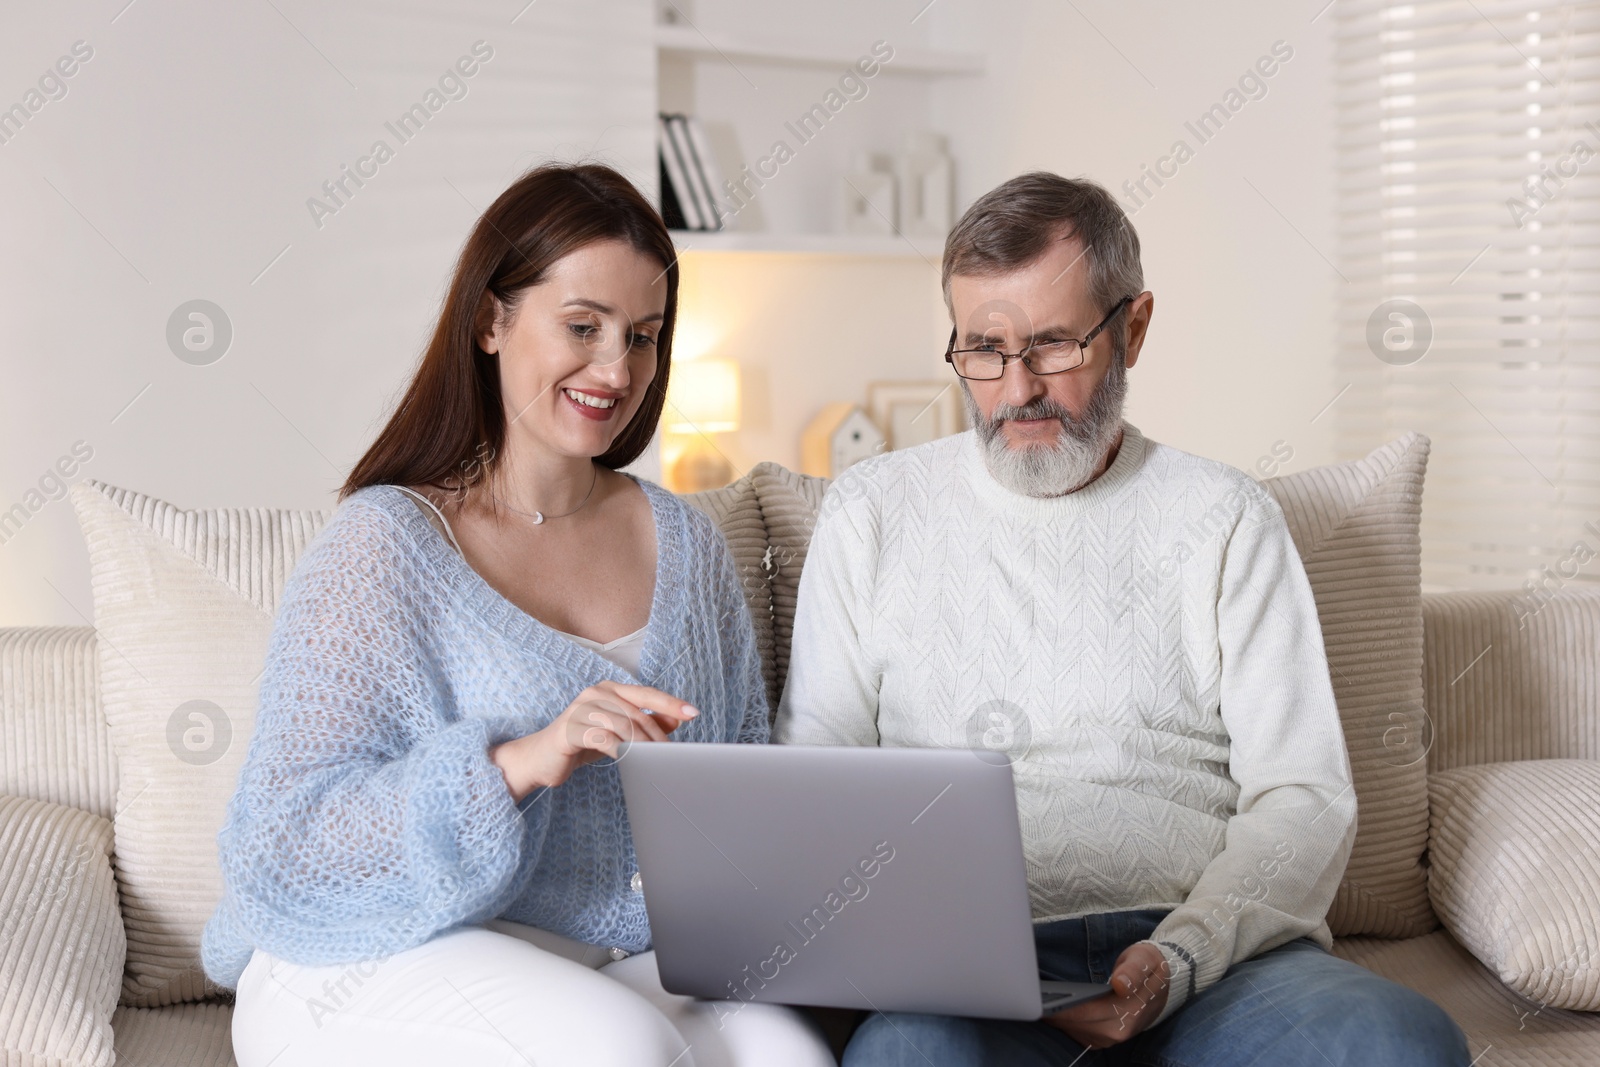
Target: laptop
[(888, 879)]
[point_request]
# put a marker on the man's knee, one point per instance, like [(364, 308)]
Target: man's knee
[(1362, 1018), (1405, 1027), (904, 1038), (1298, 998)]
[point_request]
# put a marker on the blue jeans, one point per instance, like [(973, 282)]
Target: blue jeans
[(1293, 1005)]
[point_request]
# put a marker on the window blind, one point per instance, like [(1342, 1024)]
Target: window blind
[(1468, 148)]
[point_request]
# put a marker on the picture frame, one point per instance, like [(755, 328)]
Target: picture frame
[(914, 413)]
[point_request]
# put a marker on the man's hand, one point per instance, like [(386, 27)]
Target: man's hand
[(1138, 994)]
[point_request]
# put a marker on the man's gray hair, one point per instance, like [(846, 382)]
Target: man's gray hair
[(1010, 226)]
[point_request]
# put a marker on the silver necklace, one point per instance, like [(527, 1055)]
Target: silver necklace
[(538, 517)]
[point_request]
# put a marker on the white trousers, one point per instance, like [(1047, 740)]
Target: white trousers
[(503, 994)]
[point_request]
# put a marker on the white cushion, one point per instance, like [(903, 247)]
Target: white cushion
[(1516, 873), (61, 942), (184, 603)]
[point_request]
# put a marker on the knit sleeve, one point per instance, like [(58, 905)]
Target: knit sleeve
[(367, 816), (831, 694), (1286, 845)]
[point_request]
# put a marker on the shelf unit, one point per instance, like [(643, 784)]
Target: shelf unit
[(703, 74)]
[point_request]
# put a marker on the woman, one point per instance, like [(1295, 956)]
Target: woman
[(427, 858)]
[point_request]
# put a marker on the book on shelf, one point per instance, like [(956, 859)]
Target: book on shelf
[(677, 186), (671, 210), (691, 174), (692, 171), (710, 173)]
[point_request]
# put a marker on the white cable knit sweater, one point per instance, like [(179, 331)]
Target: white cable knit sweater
[(1146, 648)]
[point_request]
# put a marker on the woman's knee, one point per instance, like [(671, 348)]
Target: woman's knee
[(472, 984), (563, 1012), (626, 1031), (728, 1033), (736, 1034)]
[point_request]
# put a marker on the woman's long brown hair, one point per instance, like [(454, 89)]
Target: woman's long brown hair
[(449, 427)]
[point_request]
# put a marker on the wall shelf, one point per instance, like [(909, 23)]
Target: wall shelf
[(710, 69), (691, 43)]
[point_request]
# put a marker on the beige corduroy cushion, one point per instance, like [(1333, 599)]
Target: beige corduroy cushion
[(61, 942), (737, 513), (789, 503), (184, 602), (767, 517), (1356, 527), (1515, 875)]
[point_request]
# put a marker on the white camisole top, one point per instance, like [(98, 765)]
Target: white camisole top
[(624, 651)]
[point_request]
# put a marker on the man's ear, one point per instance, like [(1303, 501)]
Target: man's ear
[(1139, 313), (484, 322)]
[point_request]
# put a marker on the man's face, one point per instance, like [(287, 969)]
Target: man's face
[(1046, 434)]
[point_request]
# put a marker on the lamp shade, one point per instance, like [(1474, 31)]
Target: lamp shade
[(703, 397)]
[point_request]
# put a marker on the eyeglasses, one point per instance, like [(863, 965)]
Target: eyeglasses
[(1041, 357)]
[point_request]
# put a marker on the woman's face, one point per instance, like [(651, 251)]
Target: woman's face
[(580, 350)]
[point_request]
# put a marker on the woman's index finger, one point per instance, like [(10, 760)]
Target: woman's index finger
[(649, 699)]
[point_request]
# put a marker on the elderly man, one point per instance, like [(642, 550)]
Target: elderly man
[(1133, 626)]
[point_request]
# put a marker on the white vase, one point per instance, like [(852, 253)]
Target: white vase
[(867, 196), (927, 189)]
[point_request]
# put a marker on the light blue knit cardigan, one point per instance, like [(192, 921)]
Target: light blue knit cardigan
[(368, 817)]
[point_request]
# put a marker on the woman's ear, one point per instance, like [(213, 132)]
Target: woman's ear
[(486, 323)]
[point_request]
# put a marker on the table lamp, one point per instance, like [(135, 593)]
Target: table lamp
[(702, 399)]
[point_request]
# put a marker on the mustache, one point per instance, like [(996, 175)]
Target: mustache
[(1042, 407)]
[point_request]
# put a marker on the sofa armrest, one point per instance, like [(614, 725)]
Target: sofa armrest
[(1512, 675), (54, 745)]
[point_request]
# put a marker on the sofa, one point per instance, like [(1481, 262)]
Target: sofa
[(1472, 719)]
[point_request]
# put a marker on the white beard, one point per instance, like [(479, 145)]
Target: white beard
[(1078, 452)]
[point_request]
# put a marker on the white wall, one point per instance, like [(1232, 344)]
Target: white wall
[(1240, 351), (184, 153), (179, 163)]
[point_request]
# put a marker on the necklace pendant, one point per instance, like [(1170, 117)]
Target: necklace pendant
[(538, 517)]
